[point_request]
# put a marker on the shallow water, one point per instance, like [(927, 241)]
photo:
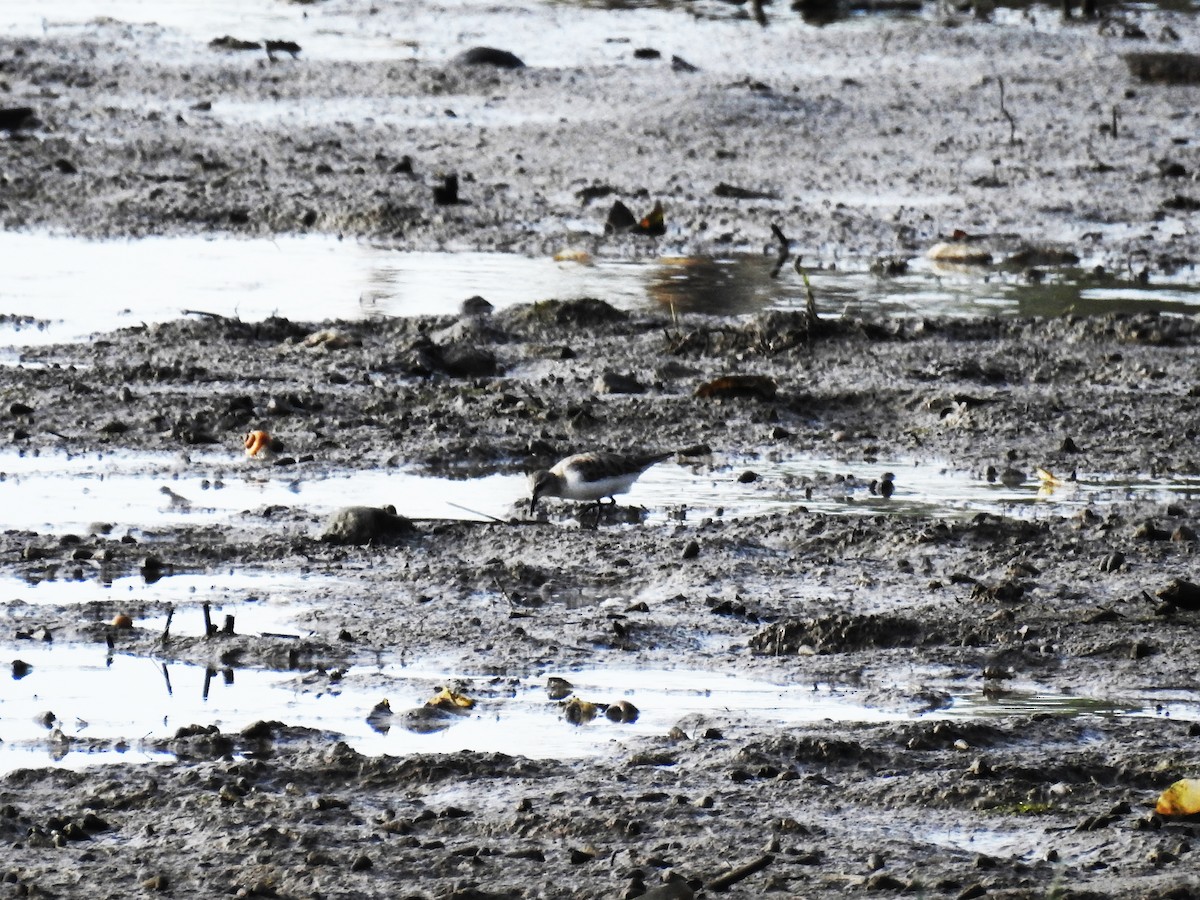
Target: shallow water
[(76, 287), (109, 697), (710, 33), (106, 697), (260, 602), (140, 493)]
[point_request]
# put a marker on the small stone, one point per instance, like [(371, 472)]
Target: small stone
[(1148, 531), (747, 477), (362, 864), (692, 550), (159, 882)]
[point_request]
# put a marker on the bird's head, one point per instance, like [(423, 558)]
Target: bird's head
[(539, 485)]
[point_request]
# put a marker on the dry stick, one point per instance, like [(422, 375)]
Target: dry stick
[(166, 635), (1012, 123), (209, 630), (781, 258), (167, 678), (1114, 122), (760, 16), (733, 876)]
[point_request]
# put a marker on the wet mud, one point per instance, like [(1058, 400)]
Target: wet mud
[(908, 611)]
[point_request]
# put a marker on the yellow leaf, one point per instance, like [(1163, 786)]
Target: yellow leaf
[(1180, 799), (574, 255), (450, 700), (578, 712)]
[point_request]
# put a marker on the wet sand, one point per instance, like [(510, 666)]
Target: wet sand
[(882, 154)]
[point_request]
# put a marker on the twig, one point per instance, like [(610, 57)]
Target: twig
[(810, 300), (741, 873), (166, 635), (167, 678), (475, 512), (209, 628), (782, 256), (1114, 123), (1012, 123), (216, 317), (503, 593), (760, 16)]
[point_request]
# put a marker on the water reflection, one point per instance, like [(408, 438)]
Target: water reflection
[(721, 287), (315, 279)]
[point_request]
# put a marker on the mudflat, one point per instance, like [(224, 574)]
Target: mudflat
[(862, 140)]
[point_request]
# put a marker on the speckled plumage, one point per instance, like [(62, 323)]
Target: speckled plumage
[(591, 476)]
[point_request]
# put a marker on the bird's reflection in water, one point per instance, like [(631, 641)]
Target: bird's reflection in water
[(700, 284)]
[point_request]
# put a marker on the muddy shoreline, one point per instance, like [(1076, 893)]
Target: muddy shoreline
[(905, 612)]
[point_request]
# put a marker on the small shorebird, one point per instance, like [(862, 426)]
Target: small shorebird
[(591, 476)]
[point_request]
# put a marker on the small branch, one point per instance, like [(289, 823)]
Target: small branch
[(756, 9), (732, 877), (1114, 123), (782, 256), (1012, 123), (216, 317), (209, 628), (475, 512), (166, 635), (810, 300)]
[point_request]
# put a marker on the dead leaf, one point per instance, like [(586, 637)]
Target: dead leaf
[(1180, 799)]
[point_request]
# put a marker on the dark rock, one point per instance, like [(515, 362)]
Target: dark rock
[(617, 383), (1169, 68), (489, 56), (1181, 593), (14, 117), (446, 193)]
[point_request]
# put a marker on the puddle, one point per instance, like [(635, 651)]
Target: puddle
[(261, 603), (141, 492), (710, 33), (1002, 844), (1168, 703), (106, 698), (319, 278), (109, 698), (843, 488)]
